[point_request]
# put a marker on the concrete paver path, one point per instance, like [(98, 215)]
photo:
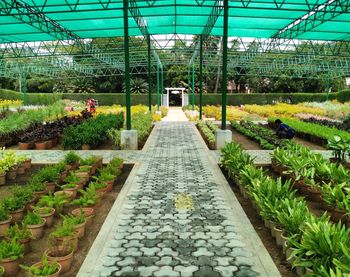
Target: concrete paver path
[(177, 216)]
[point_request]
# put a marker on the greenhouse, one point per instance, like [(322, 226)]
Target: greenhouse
[(171, 138)]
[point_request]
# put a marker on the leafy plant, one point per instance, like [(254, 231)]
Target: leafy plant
[(53, 201), (46, 268), (72, 178), (69, 186), (32, 219), (73, 220), (13, 203), (24, 193), (339, 146), (10, 250), (3, 213), (18, 234), (63, 230), (88, 197), (71, 158)]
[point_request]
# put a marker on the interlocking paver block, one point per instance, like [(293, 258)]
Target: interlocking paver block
[(166, 271), (226, 271), (150, 251), (186, 271), (202, 251), (147, 271)]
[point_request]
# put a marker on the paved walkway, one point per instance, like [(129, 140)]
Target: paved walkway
[(177, 216), (175, 114)]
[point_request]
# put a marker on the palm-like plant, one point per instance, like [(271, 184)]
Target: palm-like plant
[(138, 86)]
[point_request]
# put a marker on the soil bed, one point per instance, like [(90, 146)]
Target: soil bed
[(245, 142), (38, 247), (263, 232)]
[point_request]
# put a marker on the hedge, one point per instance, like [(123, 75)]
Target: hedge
[(208, 99)]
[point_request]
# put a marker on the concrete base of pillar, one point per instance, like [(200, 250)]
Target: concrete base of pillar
[(128, 140), (222, 137)]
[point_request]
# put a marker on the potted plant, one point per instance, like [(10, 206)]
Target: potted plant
[(88, 213), (62, 255), (15, 207), (72, 188), (84, 171), (78, 222), (100, 188), (3, 171), (35, 225), (28, 163), (10, 252), (74, 179), (106, 178), (46, 213), (37, 187), (24, 193), (340, 148), (22, 235), (44, 268), (72, 160), (89, 198), (65, 235), (2, 271), (5, 220), (53, 201)]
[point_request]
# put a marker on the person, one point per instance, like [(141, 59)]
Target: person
[(283, 130), (90, 103)]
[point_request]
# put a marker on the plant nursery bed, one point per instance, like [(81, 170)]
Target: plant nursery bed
[(38, 247), (263, 232), (246, 143)]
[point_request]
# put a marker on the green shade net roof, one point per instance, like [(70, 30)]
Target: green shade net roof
[(247, 18)]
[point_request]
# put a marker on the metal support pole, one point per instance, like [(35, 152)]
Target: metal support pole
[(149, 74), (200, 77), (24, 80), (127, 65), (328, 87), (193, 87), (157, 87), (162, 85), (189, 83), (224, 67)]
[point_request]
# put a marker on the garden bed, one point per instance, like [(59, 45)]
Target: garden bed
[(246, 143)]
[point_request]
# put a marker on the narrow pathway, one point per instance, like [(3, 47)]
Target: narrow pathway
[(177, 216), (175, 114)]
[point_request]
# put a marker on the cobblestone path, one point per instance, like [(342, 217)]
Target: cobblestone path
[(176, 219)]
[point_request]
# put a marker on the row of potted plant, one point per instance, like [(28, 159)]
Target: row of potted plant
[(19, 122), (340, 125), (207, 133), (92, 132), (316, 178), (47, 134), (313, 245), (141, 122), (311, 131), (265, 137), (11, 165), (42, 211)]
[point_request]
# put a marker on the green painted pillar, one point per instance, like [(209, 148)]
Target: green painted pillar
[(201, 77), (157, 86), (149, 74), (193, 87), (24, 85), (189, 82), (161, 84), (127, 65), (224, 67)]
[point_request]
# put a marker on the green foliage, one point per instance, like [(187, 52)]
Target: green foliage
[(137, 86), (339, 146), (69, 186), (71, 158), (32, 219), (10, 250), (13, 203), (53, 201), (46, 268), (15, 233), (92, 132), (3, 213), (72, 178), (63, 230), (73, 220), (24, 193), (207, 132), (88, 197)]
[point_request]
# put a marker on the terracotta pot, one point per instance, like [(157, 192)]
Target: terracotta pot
[(38, 194), (40, 145), (62, 255), (62, 192), (21, 169), (49, 217), (72, 192), (50, 187), (272, 228), (89, 213), (278, 232), (28, 163), (52, 275), (4, 225), (17, 215), (48, 144), (11, 267), (83, 174), (12, 174), (54, 142), (2, 179), (25, 145), (109, 184), (284, 239), (85, 147), (80, 228), (81, 184), (25, 243), (37, 230), (313, 194), (68, 241)]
